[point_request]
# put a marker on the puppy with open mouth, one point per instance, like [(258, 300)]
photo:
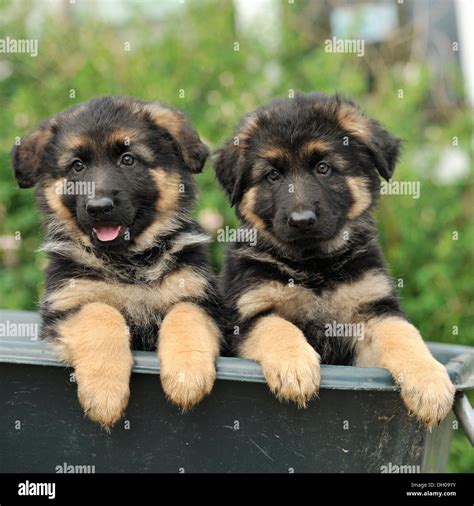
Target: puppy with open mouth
[(304, 173), (128, 265)]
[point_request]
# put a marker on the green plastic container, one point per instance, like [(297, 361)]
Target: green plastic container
[(358, 424)]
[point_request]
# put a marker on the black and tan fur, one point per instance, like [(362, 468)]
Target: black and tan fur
[(149, 288), (304, 173)]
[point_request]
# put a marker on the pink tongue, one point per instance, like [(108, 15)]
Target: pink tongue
[(107, 233)]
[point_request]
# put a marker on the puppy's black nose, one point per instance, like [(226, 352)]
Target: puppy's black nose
[(303, 220), (98, 208)]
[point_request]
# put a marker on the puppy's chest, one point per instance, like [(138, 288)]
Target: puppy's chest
[(141, 303), (320, 303), (135, 300), (344, 300), (317, 300)]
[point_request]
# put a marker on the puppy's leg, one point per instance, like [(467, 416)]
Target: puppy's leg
[(289, 363), (395, 344), (188, 347), (96, 342)]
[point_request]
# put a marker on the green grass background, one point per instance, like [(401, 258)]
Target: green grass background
[(192, 49)]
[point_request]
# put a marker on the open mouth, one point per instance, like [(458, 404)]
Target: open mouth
[(109, 233)]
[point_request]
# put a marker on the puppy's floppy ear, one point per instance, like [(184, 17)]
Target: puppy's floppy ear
[(193, 151), (228, 161), (27, 155), (383, 148), (227, 166)]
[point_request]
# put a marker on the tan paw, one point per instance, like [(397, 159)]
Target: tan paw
[(427, 391), (293, 375), (188, 377), (103, 399)]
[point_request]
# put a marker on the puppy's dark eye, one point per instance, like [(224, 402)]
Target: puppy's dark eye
[(323, 168), (127, 159), (273, 175), (77, 165)]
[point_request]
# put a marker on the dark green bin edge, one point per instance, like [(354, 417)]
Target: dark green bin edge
[(459, 361)]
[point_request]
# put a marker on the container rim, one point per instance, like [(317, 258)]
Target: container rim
[(459, 361)]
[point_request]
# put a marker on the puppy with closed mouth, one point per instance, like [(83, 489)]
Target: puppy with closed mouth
[(127, 264), (304, 173)]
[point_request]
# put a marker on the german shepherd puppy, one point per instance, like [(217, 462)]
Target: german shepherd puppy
[(127, 264), (302, 172)]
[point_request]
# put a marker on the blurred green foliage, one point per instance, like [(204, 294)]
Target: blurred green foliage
[(192, 49)]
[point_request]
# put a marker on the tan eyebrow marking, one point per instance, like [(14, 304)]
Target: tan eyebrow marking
[(122, 136), (273, 152), (142, 151), (136, 147), (73, 142), (130, 138), (316, 145)]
